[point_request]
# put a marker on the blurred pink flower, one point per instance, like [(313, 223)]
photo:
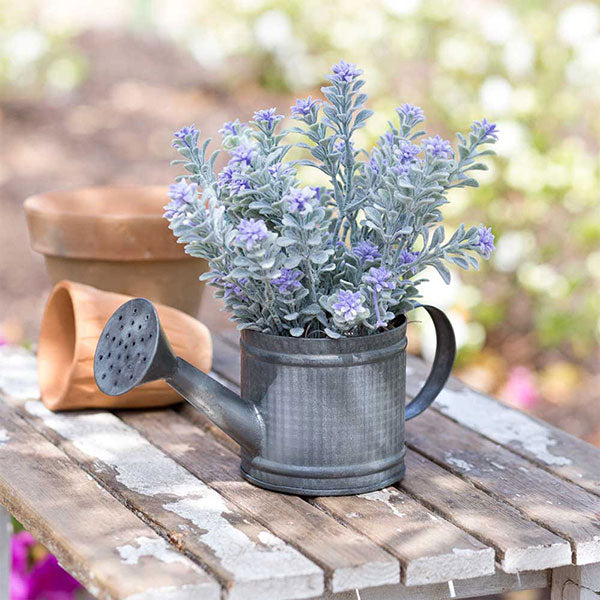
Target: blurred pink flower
[(521, 389), (46, 579), (3, 342)]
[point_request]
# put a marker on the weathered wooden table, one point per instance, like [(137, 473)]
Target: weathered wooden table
[(149, 505)]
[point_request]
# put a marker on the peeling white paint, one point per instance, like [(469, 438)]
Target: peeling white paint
[(458, 462), (145, 469), (464, 551), (4, 437), (18, 373), (353, 515), (154, 547), (500, 423), (385, 496), (497, 465), (183, 592)]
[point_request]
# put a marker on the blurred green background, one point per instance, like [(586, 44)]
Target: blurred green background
[(91, 92)]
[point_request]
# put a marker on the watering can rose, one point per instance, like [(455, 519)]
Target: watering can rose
[(335, 260)]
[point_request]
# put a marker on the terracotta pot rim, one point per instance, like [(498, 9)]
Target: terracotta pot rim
[(32, 204), (62, 287), (111, 223)]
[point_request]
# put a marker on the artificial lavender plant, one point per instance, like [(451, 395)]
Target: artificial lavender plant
[(336, 260)]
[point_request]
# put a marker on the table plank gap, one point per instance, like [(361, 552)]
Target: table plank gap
[(520, 544), (239, 551), (106, 547), (349, 560), (550, 448), (430, 549), (555, 504)]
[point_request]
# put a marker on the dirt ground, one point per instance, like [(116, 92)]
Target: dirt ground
[(114, 129)]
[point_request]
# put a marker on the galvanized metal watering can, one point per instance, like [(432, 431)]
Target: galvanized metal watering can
[(316, 416)]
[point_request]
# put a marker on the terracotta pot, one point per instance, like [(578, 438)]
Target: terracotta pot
[(115, 239), (73, 320)]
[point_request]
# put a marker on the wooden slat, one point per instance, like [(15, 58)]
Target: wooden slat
[(348, 559), (248, 559), (463, 588), (104, 545), (550, 447), (520, 544), (558, 505), (430, 549), (18, 374)]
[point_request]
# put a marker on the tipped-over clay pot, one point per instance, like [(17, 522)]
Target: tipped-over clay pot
[(115, 239), (74, 317)]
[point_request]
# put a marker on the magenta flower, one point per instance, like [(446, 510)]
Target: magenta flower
[(521, 389), (46, 580)]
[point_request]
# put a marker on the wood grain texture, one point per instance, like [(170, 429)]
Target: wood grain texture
[(101, 543), (246, 558), (464, 588), (547, 446), (430, 549), (348, 559), (587, 576), (18, 374), (567, 510), (575, 583), (520, 544)]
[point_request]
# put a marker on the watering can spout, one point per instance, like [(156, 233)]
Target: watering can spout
[(133, 350)]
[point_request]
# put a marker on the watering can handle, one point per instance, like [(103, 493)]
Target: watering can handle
[(445, 352)]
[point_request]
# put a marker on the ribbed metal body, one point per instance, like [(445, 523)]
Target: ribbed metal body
[(333, 411)]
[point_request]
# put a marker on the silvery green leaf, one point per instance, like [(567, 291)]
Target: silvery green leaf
[(442, 270), (297, 331), (332, 334), (291, 262), (438, 236), (291, 316), (319, 258)]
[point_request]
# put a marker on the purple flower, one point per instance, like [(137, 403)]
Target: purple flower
[(485, 245), (304, 106), (251, 231), (408, 257), (238, 183), (388, 136), (438, 147), (180, 193), (234, 289), (345, 72), (373, 164), (231, 128), (183, 133), (287, 280), (280, 170), (299, 200), (340, 146), (242, 155), (267, 117), (366, 251), (412, 114), (45, 579), (348, 306), (487, 128), (379, 279), (226, 175), (406, 152)]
